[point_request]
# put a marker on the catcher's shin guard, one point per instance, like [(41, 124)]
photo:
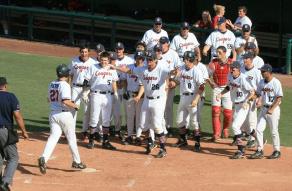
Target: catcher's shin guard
[(216, 121), (227, 121)]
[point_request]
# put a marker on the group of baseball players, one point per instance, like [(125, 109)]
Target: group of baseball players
[(142, 87)]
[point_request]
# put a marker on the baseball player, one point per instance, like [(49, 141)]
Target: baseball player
[(152, 36), (61, 119), (270, 93), (220, 37), (219, 68), (122, 61), (172, 61), (191, 82), (254, 76), (185, 41), (99, 49), (103, 86), (241, 92), (257, 61), (78, 67), (133, 108)]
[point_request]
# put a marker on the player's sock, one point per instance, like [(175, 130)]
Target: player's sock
[(161, 138), (197, 135), (105, 131), (182, 133)]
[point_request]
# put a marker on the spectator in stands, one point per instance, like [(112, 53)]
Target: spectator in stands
[(205, 22), (220, 11), (242, 41), (241, 19)]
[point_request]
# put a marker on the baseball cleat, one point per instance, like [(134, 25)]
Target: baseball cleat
[(98, 137), (238, 155), (162, 153), (257, 155), (197, 147), (181, 143), (90, 145), (129, 141), (78, 165), (150, 147), (138, 141), (275, 155), (107, 145), (42, 165), (250, 144)]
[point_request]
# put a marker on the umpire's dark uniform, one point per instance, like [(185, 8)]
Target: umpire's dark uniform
[(8, 104)]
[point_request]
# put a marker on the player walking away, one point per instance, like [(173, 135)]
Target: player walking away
[(78, 67), (257, 61), (242, 41), (99, 49), (152, 36), (270, 93), (9, 109), (119, 105), (185, 41), (220, 37), (219, 68), (172, 61), (241, 93), (103, 86), (254, 76), (133, 108), (61, 119), (191, 82)]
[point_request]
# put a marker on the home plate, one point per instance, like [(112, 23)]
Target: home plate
[(89, 170)]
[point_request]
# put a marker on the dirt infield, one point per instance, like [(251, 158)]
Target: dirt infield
[(129, 168)]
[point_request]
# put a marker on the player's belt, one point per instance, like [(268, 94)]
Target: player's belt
[(103, 92), (151, 97), (267, 106), (239, 102), (80, 85), (187, 94), (133, 94)]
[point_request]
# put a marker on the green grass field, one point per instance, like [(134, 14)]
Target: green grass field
[(28, 77)]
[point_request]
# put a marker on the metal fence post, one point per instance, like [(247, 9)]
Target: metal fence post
[(113, 36), (288, 56), (71, 33), (30, 27)]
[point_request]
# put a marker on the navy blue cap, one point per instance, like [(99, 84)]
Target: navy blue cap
[(184, 25), (245, 28), (3, 81), (113, 55), (157, 48), (251, 45), (163, 40), (139, 54), (151, 55), (235, 64), (221, 20), (248, 54), (100, 48), (266, 68), (157, 20), (120, 45)]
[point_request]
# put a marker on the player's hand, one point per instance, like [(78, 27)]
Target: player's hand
[(137, 99), (213, 85), (25, 135), (194, 103), (245, 106), (270, 111), (259, 103), (218, 97), (171, 84)]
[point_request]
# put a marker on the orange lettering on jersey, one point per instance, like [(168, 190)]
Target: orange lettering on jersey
[(149, 78), (103, 74), (80, 68)]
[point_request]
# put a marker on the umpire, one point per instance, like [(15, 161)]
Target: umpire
[(9, 108)]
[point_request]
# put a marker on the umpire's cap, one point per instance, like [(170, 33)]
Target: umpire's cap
[(190, 55), (62, 70), (3, 81)]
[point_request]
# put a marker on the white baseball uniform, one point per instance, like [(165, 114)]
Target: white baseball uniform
[(133, 109), (151, 38), (118, 105), (61, 119), (217, 38), (240, 41), (100, 80), (78, 69), (154, 83), (240, 88), (190, 80), (172, 61), (257, 61), (181, 45), (269, 91)]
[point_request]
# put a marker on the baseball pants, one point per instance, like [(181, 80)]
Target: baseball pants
[(133, 110)]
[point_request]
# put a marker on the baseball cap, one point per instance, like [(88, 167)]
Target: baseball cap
[(120, 45), (157, 48), (221, 20), (184, 25), (245, 28), (139, 54), (157, 20), (113, 56), (100, 48), (163, 40), (235, 64), (248, 54), (266, 68), (3, 81), (251, 45), (151, 55), (141, 42)]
